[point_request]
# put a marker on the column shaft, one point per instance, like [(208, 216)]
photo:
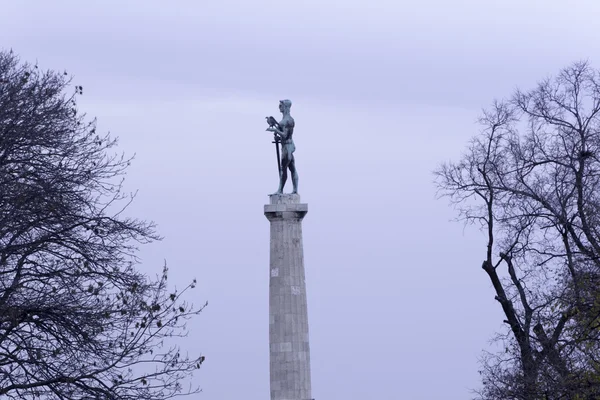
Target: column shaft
[(288, 317)]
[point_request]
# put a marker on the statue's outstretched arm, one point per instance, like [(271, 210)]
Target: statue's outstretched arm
[(279, 132)]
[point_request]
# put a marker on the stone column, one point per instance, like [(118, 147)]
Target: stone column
[(288, 318)]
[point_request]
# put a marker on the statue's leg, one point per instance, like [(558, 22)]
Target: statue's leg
[(292, 166), (284, 168), (283, 177)]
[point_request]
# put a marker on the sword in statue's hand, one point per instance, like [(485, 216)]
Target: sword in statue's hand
[(274, 124)]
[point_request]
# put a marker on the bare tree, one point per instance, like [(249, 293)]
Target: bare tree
[(531, 181), (77, 318)]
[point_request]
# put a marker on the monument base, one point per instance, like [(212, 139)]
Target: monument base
[(285, 203), (284, 198), (288, 316)]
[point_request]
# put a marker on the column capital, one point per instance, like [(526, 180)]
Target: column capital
[(284, 198), (285, 207)]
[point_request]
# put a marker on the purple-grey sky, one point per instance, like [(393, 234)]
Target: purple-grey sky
[(383, 91)]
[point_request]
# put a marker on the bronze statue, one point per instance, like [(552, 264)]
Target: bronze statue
[(283, 132)]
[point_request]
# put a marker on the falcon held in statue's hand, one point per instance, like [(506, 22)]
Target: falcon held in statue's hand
[(272, 122)]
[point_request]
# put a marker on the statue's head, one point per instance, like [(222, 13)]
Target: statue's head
[(285, 105)]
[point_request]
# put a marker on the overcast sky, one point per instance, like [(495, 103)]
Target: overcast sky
[(382, 91)]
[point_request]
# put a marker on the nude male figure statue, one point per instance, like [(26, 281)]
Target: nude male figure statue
[(284, 131)]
